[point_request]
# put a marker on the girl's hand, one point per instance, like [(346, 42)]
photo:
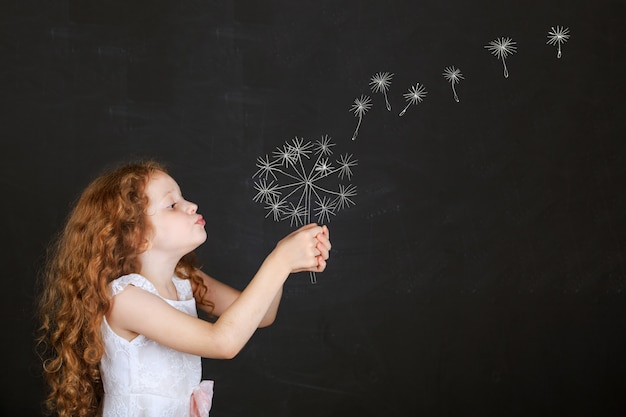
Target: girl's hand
[(324, 246), (305, 249)]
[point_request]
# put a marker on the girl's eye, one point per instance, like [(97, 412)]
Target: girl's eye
[(171, 206)]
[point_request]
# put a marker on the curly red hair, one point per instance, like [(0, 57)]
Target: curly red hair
[(101, 241)]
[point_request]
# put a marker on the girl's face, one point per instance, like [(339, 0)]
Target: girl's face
[(177, 228)]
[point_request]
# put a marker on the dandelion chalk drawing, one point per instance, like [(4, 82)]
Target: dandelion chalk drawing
[(415, 96), (453, 76), (557, 37), (380, 83), (501, 48), (360, 107), (300, 182)]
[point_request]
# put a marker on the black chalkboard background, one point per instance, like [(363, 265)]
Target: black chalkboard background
[(482, 271)]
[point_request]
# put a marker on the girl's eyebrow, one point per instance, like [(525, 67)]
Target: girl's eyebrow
[(167, 194), (172, 192)]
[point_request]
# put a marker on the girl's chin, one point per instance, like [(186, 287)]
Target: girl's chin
[(203, 239)]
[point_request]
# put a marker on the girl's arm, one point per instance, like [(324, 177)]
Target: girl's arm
[(222, 296), (135, 311)]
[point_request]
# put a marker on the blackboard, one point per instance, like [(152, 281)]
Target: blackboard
[(481, 271)]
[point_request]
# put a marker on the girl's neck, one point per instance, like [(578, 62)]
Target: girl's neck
[(159, 271)]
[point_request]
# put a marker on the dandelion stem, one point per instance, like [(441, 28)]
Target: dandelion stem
[(404, 110), (356, 131), (558, 54), (506, 71), (456, 98), (387, 101), (312, 276)]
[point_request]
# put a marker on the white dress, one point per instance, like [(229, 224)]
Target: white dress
[(142, 378)]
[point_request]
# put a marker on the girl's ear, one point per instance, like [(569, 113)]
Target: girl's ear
[(145, 246)]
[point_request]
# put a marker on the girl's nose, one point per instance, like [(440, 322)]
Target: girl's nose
[(192, 207)]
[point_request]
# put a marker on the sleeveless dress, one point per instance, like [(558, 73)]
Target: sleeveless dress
[(142, 378)]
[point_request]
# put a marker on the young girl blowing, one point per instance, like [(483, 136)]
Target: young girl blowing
[(118, 309)]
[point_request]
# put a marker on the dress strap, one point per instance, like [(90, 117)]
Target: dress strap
[(183, 287), (118, 285)]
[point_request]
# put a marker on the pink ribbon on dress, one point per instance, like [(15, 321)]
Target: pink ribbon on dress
[(201, 399)]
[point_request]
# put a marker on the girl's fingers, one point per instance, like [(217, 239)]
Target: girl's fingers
[(320, 245), (321, 264), (323, 250), (322, 239)]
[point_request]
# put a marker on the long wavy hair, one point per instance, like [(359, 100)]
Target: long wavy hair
[(102, 238)]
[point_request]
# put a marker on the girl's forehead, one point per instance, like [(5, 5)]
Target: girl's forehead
[(160, 182)]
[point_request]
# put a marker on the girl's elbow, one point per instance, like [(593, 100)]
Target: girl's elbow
[(267, 321), (230, 354), (224, 347), (232, 348), (226, 352)]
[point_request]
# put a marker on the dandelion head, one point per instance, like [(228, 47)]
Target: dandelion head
[(416, 94), (452, 75), (361, 105), (380, 82), (502, 47), (558, 35)]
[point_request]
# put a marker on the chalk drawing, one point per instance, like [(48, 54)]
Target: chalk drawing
[(415, 96), (558, 36), (302, 181), (360, 107), (380, 83), (501, 48), (453, 76)]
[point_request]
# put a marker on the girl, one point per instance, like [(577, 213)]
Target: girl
[(118, 310)]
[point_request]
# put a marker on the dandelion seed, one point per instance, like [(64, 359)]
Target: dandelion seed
[(360, 107), (266, 192), (299, 148), (323, 166), (266, 167), (415, 96), (286, 155), (323, 146), (380, 83), (557, 37), (324, 209), (276, 207), (345, 166), (501, 48), (453, 76), (296, 215), (343, 200)]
